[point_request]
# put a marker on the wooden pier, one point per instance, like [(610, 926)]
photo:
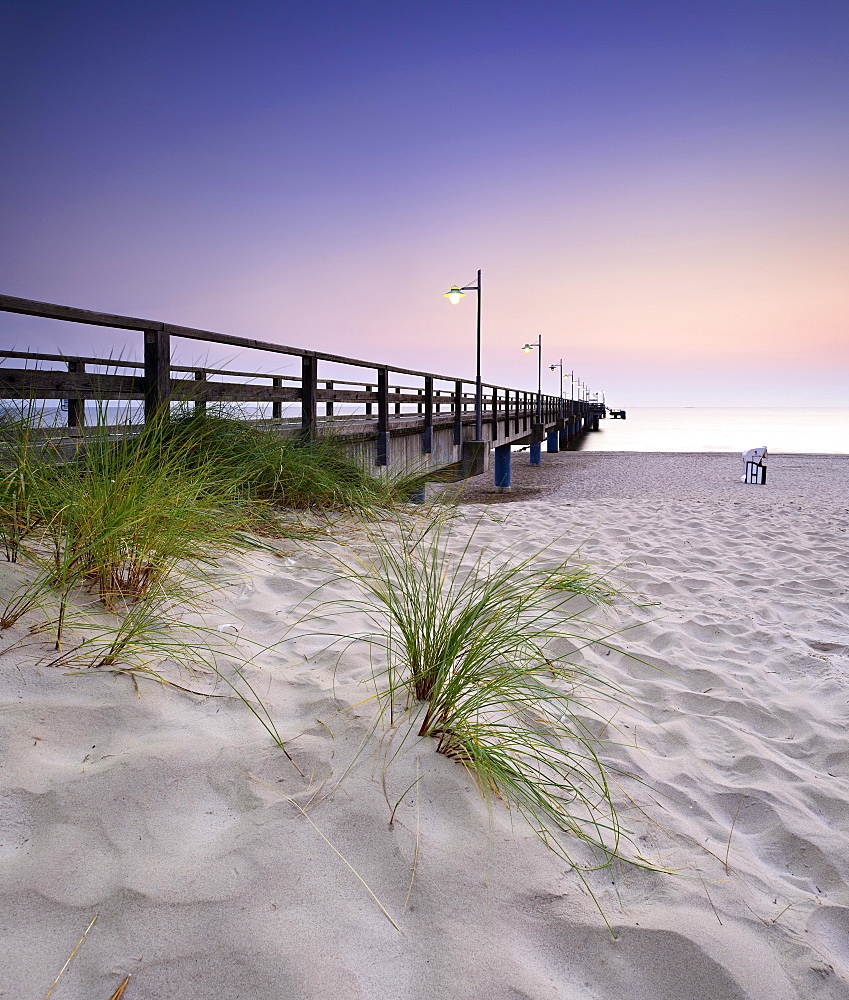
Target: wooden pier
[(394, 417)]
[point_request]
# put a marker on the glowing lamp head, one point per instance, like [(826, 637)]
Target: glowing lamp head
[(454, 295), (528, 348)]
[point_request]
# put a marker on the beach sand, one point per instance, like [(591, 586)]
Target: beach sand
[(177, 821)]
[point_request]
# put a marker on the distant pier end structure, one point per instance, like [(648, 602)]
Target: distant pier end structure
[(387, 417)]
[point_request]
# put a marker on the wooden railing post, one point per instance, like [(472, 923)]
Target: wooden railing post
[(427, 434), (200, 399), (398, 405), (309, 390), (76, 404), (458, 413), (369, 388), (494, 413), (382, 444), (277, 405), (157, 372), (328, 406)]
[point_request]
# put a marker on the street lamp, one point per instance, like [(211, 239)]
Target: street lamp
[(537, 347), (560, 366), (454, 294)]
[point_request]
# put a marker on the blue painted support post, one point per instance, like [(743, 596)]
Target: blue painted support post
[(552, 441), (503, 474), (536, 454), (564, 438)]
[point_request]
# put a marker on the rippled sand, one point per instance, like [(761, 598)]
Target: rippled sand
[(207, 884)]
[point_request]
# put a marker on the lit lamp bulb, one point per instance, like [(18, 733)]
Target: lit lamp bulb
[(454, 295), (528, 348)]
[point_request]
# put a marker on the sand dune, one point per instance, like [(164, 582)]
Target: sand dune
[(177, 821)]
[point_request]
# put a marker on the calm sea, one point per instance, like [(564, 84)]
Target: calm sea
[(795, 431)]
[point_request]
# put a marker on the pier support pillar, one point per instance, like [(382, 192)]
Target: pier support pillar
[(552, 442), (503, 472), (564, 439), (473, 458), (537, 437)]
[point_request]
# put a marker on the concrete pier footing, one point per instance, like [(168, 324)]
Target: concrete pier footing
[(474, 459)]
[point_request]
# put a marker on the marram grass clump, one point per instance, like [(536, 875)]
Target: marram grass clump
[(290, 472), (138, 513), (469, 639)]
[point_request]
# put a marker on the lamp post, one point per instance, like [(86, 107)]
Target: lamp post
[(536, 447), (560, 366), (454, 294), (537, 347)]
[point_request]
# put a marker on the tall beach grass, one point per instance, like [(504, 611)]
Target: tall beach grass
[(472, 643), (131, 521)]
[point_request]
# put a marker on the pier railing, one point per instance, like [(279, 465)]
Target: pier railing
[(375, 406)]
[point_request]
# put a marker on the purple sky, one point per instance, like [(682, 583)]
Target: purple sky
[(659, 189)]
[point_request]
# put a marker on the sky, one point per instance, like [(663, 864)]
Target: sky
[(658, 189)]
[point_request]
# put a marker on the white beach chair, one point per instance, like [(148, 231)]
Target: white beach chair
[(754, 466)]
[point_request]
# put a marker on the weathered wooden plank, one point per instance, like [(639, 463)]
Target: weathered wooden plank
[(76, 406), (276, 406), (124, 363), (36, 383), (157, 372), (65, 358), (50, 310), (223, 392), (200, 396), (427, 433), (309, 386), (382, 444)]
